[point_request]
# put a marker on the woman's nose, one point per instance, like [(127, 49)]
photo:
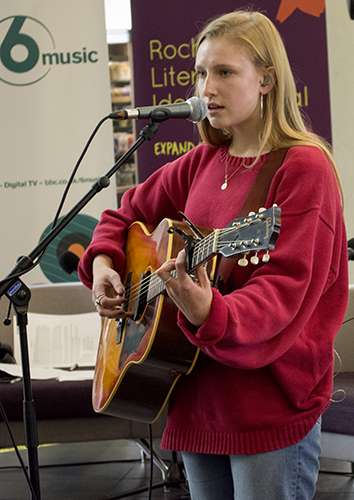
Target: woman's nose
[(209, 86)]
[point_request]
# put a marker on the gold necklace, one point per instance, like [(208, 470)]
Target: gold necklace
[(227, 177)]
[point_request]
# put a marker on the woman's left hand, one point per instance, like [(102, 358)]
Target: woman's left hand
[(192, 295)]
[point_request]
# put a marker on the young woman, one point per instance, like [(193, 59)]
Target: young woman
[(247, 418)]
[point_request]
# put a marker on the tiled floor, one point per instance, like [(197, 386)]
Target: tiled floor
[(107, 470), (84, 471)]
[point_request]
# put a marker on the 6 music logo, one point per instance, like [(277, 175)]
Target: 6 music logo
[(22, 40), (27, 51)]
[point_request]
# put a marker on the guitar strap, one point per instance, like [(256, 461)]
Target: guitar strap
[(255, 199)]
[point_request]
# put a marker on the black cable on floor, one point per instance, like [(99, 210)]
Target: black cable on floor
[(151, 462)]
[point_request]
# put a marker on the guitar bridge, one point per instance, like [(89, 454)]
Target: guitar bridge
[(142, 296), (120, 328)]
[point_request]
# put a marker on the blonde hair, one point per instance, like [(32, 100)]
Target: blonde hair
[(283, 125)]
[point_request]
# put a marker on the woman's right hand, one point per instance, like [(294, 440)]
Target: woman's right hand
[(107, 288)]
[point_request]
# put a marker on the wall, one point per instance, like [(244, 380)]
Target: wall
[(340, 33), (54, 90)]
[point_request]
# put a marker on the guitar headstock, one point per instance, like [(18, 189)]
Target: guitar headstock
[(251, 234)]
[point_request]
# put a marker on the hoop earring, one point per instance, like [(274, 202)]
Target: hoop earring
[(261, 106)]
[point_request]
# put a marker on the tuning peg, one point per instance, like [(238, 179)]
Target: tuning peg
[(251, 213), (266, 257), (243, 262), (254, 259), (259, 215)]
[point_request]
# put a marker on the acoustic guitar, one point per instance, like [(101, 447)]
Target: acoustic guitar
[(140, 359)]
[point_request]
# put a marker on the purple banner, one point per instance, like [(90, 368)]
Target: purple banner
[(163, 53)]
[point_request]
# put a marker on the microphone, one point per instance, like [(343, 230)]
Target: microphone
[(351, 249), (194, 109)]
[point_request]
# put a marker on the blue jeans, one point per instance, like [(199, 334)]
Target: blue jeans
[(286, 474)]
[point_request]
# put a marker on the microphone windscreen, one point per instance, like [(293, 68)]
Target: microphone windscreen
[(351, 243), (69, 262)]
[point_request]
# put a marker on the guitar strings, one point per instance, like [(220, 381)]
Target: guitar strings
[(153, 281), (145, 283)]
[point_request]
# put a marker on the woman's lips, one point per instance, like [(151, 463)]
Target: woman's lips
[(214, 109)]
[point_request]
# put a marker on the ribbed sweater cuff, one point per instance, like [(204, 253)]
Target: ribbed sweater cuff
[(247, 443)]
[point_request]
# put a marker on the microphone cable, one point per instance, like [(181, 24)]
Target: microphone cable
[(62, 201)]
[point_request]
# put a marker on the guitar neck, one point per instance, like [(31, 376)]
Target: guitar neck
[(253, 233)]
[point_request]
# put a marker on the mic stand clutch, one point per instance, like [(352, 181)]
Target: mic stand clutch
[(19, 296)]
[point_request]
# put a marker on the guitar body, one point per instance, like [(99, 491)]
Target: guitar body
[(140, 359), (139, 362)]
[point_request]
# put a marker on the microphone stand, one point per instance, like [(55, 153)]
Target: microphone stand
[(19, 295)]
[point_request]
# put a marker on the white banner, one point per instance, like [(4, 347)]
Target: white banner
[(54, 89)]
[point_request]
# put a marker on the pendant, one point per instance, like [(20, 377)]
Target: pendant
[(224, 186)]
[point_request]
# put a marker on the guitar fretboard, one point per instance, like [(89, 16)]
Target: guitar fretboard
[(201, 252)]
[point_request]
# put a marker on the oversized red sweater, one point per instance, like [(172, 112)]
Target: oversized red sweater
[(264, 375)]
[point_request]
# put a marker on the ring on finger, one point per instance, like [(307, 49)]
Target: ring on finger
[(99, 298)]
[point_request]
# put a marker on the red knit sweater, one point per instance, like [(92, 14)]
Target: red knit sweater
[(265, 372)]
